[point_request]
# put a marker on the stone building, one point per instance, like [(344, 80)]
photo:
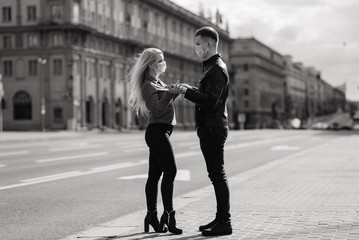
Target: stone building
[(269, 89), (295, 89), (258, 84), (65, 62)]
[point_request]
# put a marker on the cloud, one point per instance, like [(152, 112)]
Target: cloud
[(298, 3), (312, 31)]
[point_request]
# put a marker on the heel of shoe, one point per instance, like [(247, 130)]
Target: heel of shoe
[(171, 223), (147, 226), (163, 223)]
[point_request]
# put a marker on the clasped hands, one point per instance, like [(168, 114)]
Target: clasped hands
[(178, 88)]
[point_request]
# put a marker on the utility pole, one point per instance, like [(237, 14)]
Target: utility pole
[(1, 95), (42, 62)]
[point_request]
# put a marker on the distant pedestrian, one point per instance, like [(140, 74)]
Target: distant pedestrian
[(149, 96), (212, 123)]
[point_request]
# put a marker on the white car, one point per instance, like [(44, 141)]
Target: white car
[(320, 125)]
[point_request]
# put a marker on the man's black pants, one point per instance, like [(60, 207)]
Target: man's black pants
[(212, 145)]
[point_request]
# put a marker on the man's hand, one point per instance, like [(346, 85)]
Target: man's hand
[(186, 85), (173, 89), (182, 87)]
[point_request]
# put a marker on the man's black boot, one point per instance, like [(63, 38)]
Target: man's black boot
[(209, 225), (222, 227)]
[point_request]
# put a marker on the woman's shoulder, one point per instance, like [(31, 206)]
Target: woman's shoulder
[(149, 85)]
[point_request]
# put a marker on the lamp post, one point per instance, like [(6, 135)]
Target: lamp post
[(1, 95), (42, 62)]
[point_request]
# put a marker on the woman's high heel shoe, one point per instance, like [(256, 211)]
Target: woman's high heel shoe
[(168, 218), (151, 219)]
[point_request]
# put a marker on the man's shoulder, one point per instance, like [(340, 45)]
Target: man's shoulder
[(220, 67), (221, 64)]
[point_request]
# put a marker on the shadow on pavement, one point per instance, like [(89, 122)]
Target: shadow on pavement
[(146, 236)]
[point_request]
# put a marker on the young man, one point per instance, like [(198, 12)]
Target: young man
[(212, 123)]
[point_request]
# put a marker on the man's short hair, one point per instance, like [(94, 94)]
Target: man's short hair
[(208, 32)]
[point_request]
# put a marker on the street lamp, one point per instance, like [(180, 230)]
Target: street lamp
[(42, 62), (1, 95)]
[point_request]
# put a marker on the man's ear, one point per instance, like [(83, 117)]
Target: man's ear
[(152, 65), (211, 43)]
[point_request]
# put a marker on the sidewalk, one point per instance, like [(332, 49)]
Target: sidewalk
[(310, 195)]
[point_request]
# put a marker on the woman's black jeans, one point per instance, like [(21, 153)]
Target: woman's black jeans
[(212, 145), (161, 159)]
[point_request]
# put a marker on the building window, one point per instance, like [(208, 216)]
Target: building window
[(57, 12), (246, 104), (86, 70), (128, 13), (8, 68), (76, 12), (22, 106), (6, 14), (32, 67), (246, 92), (174, 28), (33, 40), (31, 13), (145, 18), (57, 67), (100, 71), (6, 42), (245, 67), (58, 115), (57, 39)]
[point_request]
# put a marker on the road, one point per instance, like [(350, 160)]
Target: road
[(52, 189)]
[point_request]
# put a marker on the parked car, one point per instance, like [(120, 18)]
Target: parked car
[(320, 125), (356, 120)]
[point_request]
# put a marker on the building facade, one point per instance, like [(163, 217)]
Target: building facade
[(312, 77), (295, 90), (269, 89), (65, 62), (258, 84)]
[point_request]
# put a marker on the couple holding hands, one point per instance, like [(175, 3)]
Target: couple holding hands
[(151, 97)]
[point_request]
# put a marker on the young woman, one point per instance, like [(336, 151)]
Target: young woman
[(150, 97)]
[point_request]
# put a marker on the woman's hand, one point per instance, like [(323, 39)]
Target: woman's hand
[(173, 89)]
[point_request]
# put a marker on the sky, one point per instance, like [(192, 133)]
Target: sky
[(319, 33)]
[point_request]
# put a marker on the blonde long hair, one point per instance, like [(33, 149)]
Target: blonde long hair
[(137, 78)]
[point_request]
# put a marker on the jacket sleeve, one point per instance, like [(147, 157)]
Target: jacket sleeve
[(210, 96), (153, 103)]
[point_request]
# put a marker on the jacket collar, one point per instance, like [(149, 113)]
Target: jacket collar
[(150, 78), (210, 61)]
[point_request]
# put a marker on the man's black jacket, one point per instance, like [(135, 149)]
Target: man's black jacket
[(212, 93)]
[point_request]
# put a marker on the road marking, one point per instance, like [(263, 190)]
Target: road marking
[(81, 146), (60, 176), (14, 153), (135, 149), (67, 175), (22, 145), (54, 177), (130, 144), (254, 143), (71, 157), (183, 144), (2, 165), (284, 148), (182, 175), (186, 154)]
